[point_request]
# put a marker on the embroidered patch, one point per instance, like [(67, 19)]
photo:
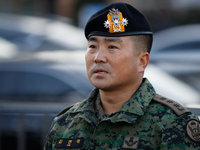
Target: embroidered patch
[(115, 21), (69, 143), (131, 142), (193, 130)]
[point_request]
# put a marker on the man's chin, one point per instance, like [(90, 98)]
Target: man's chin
[(101, 86), (105, 88)]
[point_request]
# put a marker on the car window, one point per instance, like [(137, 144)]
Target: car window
[(35, 86), (194, 45)]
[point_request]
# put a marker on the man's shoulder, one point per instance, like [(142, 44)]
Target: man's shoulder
[(77, 107), (177, 108), (68, 108), (176, 119)]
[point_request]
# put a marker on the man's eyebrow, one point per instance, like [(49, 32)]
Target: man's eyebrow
[(92, 39)]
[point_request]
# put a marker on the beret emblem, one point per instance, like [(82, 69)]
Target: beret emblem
[(115, 21)]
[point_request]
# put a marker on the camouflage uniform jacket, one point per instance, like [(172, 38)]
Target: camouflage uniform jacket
[(142, 123)]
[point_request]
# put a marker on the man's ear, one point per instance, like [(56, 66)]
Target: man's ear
[(143, 59)]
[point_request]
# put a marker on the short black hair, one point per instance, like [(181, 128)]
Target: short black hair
[(143, 42)]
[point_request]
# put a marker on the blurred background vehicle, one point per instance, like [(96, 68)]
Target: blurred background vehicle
[(42, 60), (177, 51), (33, 90), (31, 34), (171, 87)]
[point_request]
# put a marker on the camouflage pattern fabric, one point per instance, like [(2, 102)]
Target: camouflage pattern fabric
[(141, 123)]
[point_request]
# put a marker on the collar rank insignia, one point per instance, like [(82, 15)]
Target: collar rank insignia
[(115, 21), (131, 142), (193, 130), (69, 143)]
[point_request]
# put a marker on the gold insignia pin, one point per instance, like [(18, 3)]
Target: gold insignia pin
[(69, 143), (115, 21)]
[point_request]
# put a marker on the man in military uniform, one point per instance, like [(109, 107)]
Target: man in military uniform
[(123, 111)]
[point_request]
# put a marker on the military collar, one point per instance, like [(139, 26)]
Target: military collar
[(140, 100), (135, 106), (87, 105), (85, 109)]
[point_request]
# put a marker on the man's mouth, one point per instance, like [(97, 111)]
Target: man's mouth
[(100, 71)]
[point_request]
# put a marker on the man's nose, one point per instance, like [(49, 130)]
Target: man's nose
[(100, 56)]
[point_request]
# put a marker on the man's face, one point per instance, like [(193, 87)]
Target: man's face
[(112, 62)]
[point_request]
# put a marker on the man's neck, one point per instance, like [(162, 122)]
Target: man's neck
[(112, 101)]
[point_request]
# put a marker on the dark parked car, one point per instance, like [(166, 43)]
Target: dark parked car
[(32, 91)]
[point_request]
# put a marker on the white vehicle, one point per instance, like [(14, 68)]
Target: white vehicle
[(170, 87), (32, 34)]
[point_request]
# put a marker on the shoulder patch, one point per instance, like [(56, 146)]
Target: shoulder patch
[(176, 107), (64, 110), (193, 130)]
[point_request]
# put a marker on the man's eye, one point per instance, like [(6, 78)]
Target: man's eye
[(92, 46), (112, 47)]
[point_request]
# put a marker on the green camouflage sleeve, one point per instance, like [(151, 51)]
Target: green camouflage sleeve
[(175, 134), (49, 140), (52, 131)]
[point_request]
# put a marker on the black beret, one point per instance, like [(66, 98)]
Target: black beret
[(118, 19)]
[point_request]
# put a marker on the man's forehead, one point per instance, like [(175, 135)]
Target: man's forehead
[(106, 39)]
